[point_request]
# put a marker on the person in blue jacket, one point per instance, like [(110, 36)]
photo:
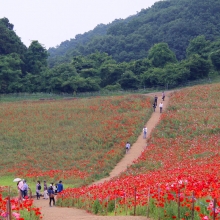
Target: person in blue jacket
[(60, 187), (51, 194)]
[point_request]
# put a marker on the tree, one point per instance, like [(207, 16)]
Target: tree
[(10, 73), (215, 58), (110, 73), (9, 41), (198, 66), (36, 58), (129, 80), (198, 45), (160, 55)]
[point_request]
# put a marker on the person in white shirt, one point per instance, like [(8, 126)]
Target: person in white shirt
[(161, 107), (45, 190), (144, 132)]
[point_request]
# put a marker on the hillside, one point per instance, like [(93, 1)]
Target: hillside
[(177, 174), (175, 22)]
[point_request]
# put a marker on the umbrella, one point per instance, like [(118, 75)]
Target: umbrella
[(16, 179)]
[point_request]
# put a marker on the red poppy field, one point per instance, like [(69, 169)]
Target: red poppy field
[(19, 211), (177, 176), (78, 140)]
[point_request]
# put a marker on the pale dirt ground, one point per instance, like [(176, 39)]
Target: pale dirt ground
[(58, 213)]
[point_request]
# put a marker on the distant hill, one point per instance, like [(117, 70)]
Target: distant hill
[(175, 22)]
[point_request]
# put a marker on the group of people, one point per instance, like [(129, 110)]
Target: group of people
[(22, 189), (49, 192), (161, 103), (128, 145)]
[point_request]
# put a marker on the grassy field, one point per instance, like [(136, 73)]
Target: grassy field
[(77, 141)]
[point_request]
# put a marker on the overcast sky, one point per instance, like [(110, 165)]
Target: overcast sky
[(53, 21)]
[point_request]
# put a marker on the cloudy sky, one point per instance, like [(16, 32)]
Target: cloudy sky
[(53, 21)]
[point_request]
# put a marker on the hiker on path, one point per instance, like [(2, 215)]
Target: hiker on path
[(155, 100), (60, 187), (127, 146), (154, 106), (45, 190), (38, 188), (161, 107), (144, 132), (51, 194), (163, 96)]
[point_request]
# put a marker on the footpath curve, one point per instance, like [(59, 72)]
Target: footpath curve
[(57, 213)]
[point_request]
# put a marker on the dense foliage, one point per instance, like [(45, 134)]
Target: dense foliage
[(174, 22), (165, 45)]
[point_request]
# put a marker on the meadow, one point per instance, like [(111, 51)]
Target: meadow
[(77, 140), (177, 176)]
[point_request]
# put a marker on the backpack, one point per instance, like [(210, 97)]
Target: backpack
[(39, 187)]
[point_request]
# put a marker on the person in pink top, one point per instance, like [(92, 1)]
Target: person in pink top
[(20, 188)]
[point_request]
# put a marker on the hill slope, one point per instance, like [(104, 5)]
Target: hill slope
[(175, 22)]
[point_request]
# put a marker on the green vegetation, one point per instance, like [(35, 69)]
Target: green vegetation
[(77, 141), (165, 46), (174, 22)]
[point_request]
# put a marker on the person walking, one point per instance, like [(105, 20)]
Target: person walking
[(163, 96), (161, 107), (51, 194), (144, 132), (45, 190), (60, 186), (155, 100), (38, 188), (127, 146), (154, 106)]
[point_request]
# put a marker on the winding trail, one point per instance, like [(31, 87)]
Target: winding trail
[(58, 213)]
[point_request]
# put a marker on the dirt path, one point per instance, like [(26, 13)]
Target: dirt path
[(57, 213)]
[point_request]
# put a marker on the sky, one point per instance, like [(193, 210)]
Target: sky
[(54, 21)]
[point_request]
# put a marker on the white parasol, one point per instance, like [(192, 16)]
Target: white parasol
[(16, 179)]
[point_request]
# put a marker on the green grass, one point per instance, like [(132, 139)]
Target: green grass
[(8, 181)]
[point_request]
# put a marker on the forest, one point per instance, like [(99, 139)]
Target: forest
[(169, 43)]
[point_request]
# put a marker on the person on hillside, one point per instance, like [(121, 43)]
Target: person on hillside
[(127, 147), (144, 132), (163, 96), (155, 100), (60, 187), (45, 190), (38, 188), (51, 194), (25, 189), (154, 106), (161, 107)]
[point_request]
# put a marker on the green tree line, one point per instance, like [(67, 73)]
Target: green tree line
[(25, 69), (174, 22)]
